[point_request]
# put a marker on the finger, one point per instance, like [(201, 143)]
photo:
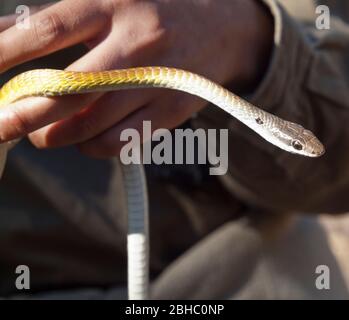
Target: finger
[(52, 29), (9, 20), (29, 114), (91, 121), (163, 113)]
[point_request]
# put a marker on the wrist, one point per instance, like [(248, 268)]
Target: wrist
[(256, 46)]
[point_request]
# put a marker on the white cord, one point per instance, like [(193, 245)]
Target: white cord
[(138, 231)]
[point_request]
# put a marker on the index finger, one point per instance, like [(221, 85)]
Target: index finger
[(61, 25)]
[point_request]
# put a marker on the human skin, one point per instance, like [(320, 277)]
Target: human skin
[(229, 42)]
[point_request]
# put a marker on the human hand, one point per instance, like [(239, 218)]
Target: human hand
[(228, 43)]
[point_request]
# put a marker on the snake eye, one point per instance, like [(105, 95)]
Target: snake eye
[(297, 145)]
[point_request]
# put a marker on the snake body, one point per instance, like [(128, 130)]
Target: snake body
[(48, 82)]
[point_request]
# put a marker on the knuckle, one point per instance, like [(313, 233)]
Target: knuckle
[(19, 123), (148, 32), (157, 28), (49, 29)]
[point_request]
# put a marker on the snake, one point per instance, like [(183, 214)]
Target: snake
[(284, 134), (49, 82)]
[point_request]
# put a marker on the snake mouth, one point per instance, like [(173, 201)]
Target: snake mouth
[(316, 154), (320, 151), (315, 147)]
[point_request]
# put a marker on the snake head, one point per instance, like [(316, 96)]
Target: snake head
[(295, 139)]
